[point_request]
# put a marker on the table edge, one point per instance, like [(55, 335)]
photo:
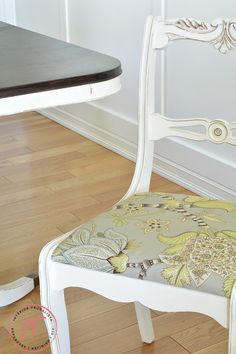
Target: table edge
[(60, 83)]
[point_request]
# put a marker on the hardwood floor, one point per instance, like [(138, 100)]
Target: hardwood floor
[(51, 180)]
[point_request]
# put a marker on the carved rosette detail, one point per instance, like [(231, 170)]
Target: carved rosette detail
[(225, 31)]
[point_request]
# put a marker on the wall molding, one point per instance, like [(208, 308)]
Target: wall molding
[(92, 131), (64, 20), (119, 135), (8, 11)]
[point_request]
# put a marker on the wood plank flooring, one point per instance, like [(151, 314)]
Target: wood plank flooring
[(51, 180)]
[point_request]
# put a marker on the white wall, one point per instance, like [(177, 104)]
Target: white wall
[(200, 82), (43, 16), (109, 26)]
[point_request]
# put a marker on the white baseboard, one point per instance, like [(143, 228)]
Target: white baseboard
[(172, 161)]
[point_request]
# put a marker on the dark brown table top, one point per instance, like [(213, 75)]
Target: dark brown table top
[(31, 62)]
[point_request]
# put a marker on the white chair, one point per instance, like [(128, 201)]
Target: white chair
[(142, 250)]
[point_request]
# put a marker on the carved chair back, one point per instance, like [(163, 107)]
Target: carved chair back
[(155, 126)]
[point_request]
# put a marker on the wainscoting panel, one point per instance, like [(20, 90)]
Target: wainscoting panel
[(206, 176)]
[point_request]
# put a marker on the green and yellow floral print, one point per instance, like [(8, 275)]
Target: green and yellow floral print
[(184, 241)]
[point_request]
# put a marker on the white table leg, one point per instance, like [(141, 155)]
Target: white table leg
[(17, 289)]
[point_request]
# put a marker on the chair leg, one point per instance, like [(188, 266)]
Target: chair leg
[(232, 324), (54, 300), (144, 318), (56, 304)]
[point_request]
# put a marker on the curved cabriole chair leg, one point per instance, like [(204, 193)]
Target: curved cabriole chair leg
[(144, 318), (61, 343), (54, 300)]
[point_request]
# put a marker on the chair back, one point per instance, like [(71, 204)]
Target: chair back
[(221, 34)]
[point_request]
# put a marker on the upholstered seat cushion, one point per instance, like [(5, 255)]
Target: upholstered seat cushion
[(185, 241)]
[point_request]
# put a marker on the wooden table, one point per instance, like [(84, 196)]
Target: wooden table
[(39, 72)]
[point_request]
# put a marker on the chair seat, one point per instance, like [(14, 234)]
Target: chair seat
[(185, 241)]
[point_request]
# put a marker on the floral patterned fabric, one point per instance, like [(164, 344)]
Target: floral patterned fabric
[(185, 241)]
